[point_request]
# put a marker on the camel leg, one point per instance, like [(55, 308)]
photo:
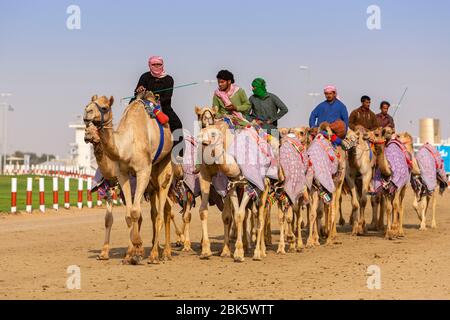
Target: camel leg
[(109, 219), (362, 229), (290, 234), (124, 181), (341, 216), (355, 206), (268, 228), (226, 219), (254, 217), (382, 203), (401, 232), (205, 184), (245, 235), (239, 216), (187, 216), (262, 210), (282, 224), (312, 219), (389, 213), (375, 205), (299, 221), (142, 180), (179, 233), (396, 213), (433, 208), (153, 213)]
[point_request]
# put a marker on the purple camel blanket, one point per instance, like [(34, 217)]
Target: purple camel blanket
[(396, 156), (254, 156), (431, 166), (294, 162), (324, 162)]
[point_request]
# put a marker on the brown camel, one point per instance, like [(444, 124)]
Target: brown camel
[(360, 165), (134, 146), (393, 201), (319, 206), (216, 139)]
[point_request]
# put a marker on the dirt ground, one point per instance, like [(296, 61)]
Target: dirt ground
[(36, 249)]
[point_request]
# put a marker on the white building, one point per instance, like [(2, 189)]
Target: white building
[(81, 153)]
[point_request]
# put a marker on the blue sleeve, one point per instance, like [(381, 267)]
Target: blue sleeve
[(344, 115), (313, 117)]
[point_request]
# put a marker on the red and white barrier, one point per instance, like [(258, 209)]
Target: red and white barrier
[(80, 193), (55, 194), (41, 195), (14, 195), (89, 194), (67, 192), (99, 200), (29, 206)]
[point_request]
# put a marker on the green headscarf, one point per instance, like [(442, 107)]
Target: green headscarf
[(259, 85)]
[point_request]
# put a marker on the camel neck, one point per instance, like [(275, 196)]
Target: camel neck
[(108, 141)]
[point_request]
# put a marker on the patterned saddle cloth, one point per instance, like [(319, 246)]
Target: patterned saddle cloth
[(431, 166), (324, 162), (254, 155), (295, 164)]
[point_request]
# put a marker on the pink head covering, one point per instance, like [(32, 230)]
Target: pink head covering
[(157, 72), (329, 89)]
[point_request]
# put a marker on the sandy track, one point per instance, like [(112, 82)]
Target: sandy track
[(35, 251)]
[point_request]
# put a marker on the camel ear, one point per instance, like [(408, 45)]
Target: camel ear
[(111, 101), (95, 97), (198, 110)]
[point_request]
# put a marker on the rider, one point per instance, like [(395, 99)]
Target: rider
[(333, 111), (159, 82), (266, 108), (229, 97), (363, 116)]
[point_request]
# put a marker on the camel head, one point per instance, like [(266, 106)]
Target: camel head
[(302, 134), (388, 133), (406, 139), (206, 116), (283, 132), (325, 126), (98, 112)]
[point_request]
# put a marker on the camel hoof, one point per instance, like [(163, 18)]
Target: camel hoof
[(342, 222), (205, 255), (103, 257), (225, 254), (239, 259), (281, 251), (187, 249), (292, 250), (135, 260), (179, 244), (433, 225)]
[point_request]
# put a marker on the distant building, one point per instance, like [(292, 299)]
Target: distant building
[(81, 153), (430, 131)]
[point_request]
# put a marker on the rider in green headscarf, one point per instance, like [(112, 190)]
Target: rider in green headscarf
[(259, 88), (266, 108)]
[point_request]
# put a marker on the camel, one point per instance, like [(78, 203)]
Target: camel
[(428, 184), (318, 204), (289, 213), (393, 197), (360, 164), (134, 147), (109, 169), (216, 140)]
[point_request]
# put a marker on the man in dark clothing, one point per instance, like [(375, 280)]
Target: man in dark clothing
[(157, 81), (363, 116), (266, 108), (384, 119)]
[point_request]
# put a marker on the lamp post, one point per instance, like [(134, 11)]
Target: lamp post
[(7, 107), (314, 96)]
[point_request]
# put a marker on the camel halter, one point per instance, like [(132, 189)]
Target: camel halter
[(103, 125)]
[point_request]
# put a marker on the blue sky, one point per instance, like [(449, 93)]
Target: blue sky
[(52, 72)]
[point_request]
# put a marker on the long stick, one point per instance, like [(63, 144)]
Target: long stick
[(400, 102), (167, 89)]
